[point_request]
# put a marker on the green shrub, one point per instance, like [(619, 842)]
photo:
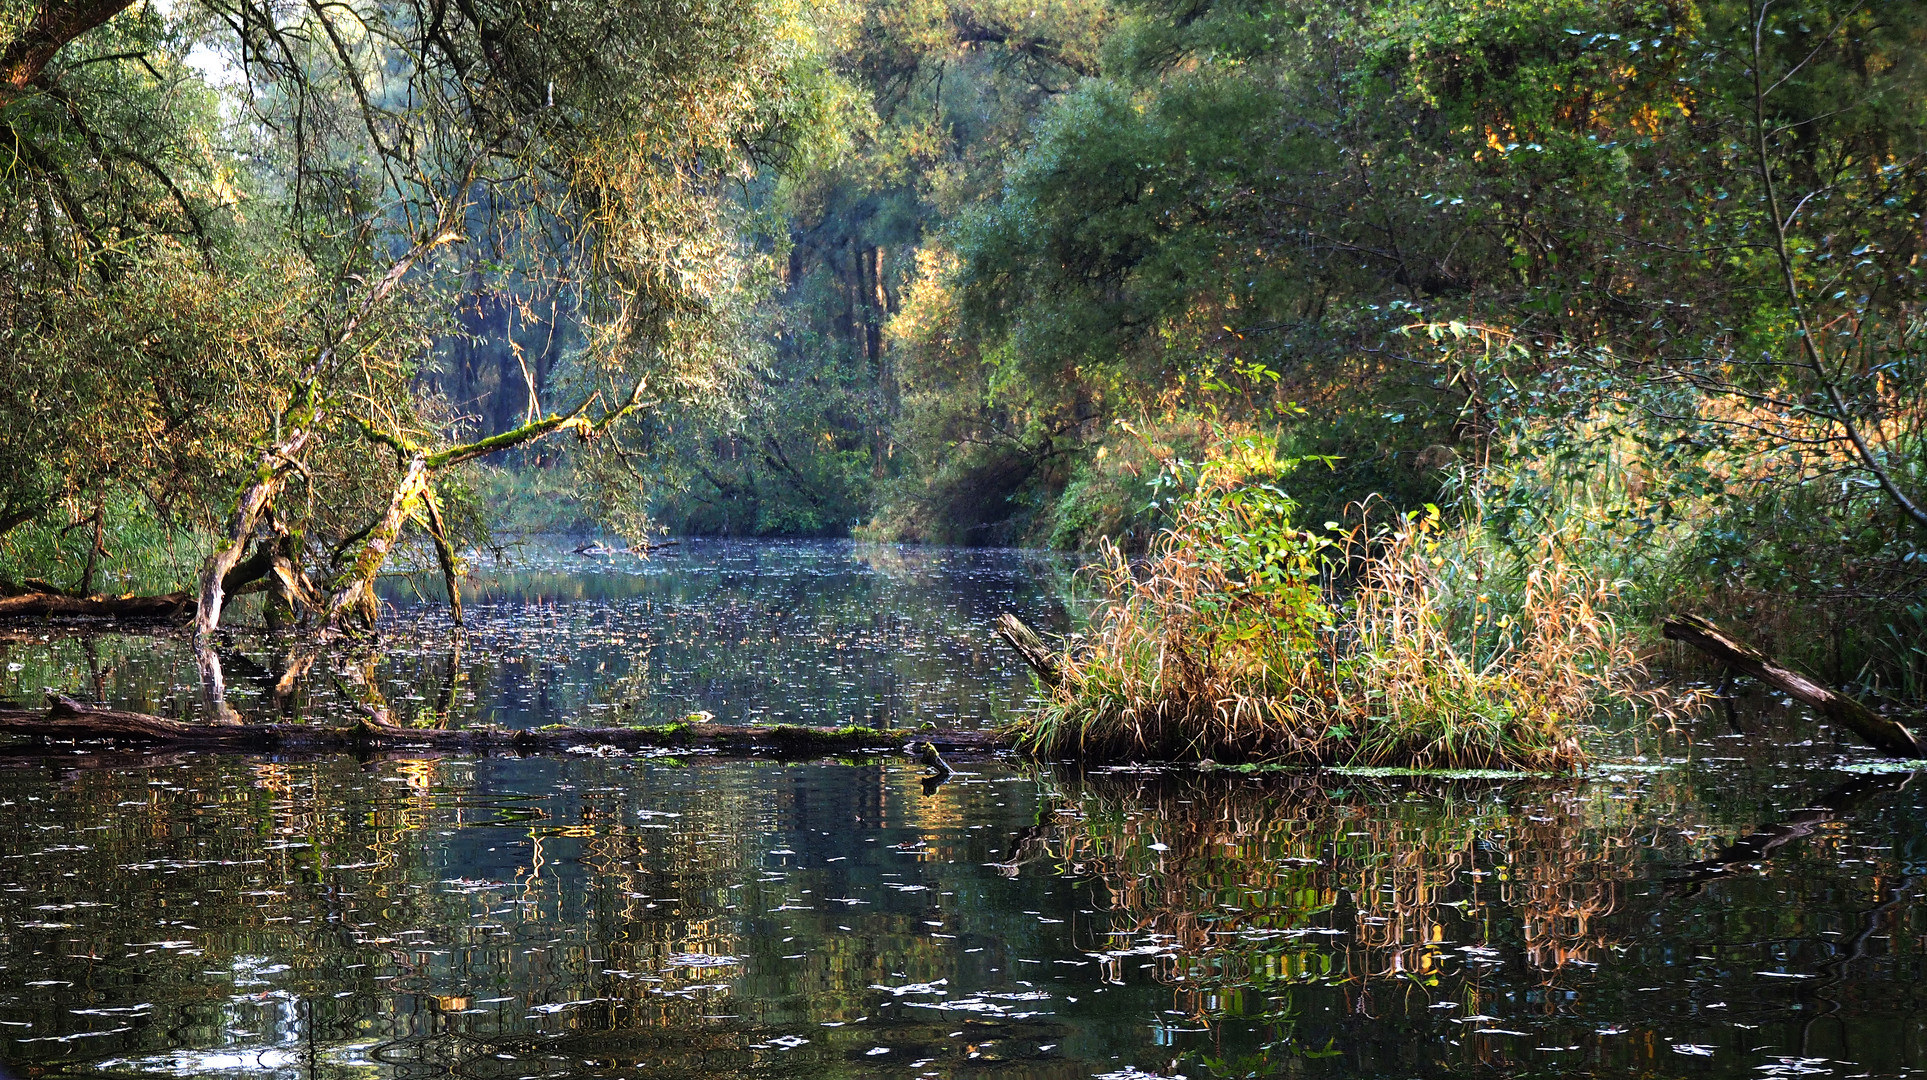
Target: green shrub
[(1245, 637)]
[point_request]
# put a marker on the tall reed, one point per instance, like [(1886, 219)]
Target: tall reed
[(1241, 637)]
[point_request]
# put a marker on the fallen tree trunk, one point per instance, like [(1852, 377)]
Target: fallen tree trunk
[(68, 721), (43, 601), (1031, 647), (59, 605), (1882, 732)]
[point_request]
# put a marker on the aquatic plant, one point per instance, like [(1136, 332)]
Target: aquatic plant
[(1244, 637)]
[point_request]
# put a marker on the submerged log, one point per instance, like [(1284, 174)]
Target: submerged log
[(59, 605), (70, 721), (1883, 733), (1031, 647)]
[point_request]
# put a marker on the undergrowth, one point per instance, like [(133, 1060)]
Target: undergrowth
[(132, 551), (1241, 636)]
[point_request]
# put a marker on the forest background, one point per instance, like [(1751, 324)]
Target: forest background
[(1643, 277)]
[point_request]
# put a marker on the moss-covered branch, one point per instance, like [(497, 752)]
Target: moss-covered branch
[(67, 721)]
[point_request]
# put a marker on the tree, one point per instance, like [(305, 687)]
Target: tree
[(601, 150)]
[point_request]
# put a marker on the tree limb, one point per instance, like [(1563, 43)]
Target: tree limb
[(54, 25)]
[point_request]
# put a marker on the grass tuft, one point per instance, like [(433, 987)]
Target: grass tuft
[(1241, 637)]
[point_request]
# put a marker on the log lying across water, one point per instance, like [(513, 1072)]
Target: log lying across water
[(70, 721), (1884, 733), (44, 605)]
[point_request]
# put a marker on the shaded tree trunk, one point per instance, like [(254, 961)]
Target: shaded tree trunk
[(56, 23), (1882, 732)]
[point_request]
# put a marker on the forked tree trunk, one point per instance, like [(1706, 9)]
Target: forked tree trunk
[(354, 591), (249, 510), (257, 499)]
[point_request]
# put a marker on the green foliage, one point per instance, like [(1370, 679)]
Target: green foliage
[(1246, 637), (137, 554), (221, 228)]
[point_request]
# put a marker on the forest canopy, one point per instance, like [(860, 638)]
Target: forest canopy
[(980, 272), (235, 234)]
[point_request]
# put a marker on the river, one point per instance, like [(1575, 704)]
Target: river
[(1711, 903)]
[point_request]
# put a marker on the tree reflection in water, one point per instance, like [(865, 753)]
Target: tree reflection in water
[(609, 916)]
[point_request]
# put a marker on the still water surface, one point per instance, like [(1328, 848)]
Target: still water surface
[(810, 632), (1725, 905)]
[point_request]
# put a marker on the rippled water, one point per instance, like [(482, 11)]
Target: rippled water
[(810, 632), (1732, 905)]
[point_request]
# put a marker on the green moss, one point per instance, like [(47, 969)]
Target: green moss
[(797, 735)]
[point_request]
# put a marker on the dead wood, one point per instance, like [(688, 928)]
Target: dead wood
[(42, 605), (1031, 647), (68, 722), (1883, 733)]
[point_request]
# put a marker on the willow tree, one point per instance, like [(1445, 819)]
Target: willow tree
[(222, 277)]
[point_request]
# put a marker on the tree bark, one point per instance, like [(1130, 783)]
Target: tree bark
[(1038, 655), (1884, 733), (56, 23), (354, 591), (132, 608), (255, 501), (444, 554)]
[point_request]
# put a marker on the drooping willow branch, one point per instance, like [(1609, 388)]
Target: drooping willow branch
[(1837, 410)]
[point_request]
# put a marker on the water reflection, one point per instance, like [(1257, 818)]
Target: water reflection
[(1748, 907), (590, 916), (816, 632), (1531, 927)]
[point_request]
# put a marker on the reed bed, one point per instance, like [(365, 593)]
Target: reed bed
[(1242, 638)]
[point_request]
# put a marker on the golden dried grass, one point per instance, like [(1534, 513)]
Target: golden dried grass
[(1440, 650)]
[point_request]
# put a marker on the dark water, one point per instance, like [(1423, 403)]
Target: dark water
[(811, 632), (1727, 905)]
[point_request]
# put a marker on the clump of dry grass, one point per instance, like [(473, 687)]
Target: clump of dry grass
[(1234, 641)]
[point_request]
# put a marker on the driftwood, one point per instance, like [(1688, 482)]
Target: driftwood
[(1884, 733), (1038, 655), (592, 550), (69, 721)]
